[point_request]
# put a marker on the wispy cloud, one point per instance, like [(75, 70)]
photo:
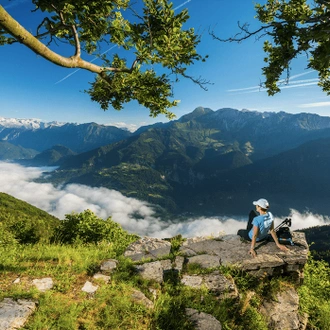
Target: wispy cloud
[(314, 105), (17, 181), (182, 4), (94, 59), (291, 83)]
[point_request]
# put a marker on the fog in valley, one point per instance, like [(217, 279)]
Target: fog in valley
[(17, 181)]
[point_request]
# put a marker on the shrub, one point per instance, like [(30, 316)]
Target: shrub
[(6, 237), (86, 227)]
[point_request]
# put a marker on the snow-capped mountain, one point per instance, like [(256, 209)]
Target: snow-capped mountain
[(30, 124)]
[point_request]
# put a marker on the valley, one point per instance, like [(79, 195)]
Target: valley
[(205, 163)]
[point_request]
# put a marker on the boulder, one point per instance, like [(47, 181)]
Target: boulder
[(14, 314), (202, 321)]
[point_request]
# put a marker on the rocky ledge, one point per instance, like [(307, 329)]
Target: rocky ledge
[(229, 250)]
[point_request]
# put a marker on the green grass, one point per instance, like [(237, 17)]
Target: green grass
[(112, 306)]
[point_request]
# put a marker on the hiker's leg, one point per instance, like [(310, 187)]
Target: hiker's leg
[(244, 233), (252, 215)]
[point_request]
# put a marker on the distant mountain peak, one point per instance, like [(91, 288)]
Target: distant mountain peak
[(32, 123), (199, 111)]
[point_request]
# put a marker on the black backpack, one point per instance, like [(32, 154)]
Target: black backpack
[(283, 232)]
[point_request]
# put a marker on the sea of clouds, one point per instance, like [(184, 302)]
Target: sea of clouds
[(18, 181)]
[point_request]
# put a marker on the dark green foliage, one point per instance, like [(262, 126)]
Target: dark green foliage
[(318, 239), (86, 227), (25, 222), (295, 28), (315, 294)]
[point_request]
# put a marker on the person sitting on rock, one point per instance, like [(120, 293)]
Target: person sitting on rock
[(260, 226)]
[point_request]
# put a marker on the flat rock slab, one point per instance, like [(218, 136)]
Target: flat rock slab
[(232, 250), (203, 321), (14, 314), (205, 261)]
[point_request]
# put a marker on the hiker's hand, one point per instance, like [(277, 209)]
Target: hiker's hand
[(282, 247), (253, 253)]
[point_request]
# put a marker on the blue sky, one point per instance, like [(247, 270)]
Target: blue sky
[(31, 87)]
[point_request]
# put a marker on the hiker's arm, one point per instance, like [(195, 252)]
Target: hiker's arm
[(280, 246), (253, 242)]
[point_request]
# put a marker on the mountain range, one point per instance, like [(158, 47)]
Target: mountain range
[(39, 136), (206, 162)]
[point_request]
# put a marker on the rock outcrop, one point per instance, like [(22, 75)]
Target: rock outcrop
[(229, 250)]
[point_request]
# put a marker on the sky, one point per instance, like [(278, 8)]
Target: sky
[(18, 181), (31, 87)]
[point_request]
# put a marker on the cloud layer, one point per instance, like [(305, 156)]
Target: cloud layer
[(17, 181)]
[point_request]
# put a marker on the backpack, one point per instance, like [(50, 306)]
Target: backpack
[(284, 235)]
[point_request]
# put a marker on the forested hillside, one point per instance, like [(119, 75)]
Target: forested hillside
[(216, 162)]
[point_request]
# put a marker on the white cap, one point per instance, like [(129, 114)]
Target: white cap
[(263, 203)]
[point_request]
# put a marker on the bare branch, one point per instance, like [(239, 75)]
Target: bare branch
[(244, 29)]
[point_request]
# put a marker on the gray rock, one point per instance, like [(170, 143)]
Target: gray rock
[(217, 283), (140, 297), (283, 313), (205, 261), (193, 281), (227, 250), (151, 271), (14, 314), (102, 277), (154, 270), (220, 285), (43, 284), (160, 252), (89, 287), (109, 265), (178, 263), (146, 244), (203, 321)]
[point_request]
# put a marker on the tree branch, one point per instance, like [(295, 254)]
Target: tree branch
[(23, 36)]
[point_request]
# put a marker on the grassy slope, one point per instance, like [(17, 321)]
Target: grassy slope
[(112, 306)]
